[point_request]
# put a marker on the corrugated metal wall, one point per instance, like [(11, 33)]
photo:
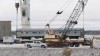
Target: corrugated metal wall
[(5, 29)]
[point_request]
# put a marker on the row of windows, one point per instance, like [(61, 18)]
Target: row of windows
[(29, 32), (32, 32), (42, 32)]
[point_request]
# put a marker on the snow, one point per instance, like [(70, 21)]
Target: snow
[(13, 45)]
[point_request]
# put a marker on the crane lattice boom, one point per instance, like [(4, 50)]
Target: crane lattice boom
[(79, 8)]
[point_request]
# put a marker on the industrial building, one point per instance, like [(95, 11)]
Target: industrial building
[(5, 29)]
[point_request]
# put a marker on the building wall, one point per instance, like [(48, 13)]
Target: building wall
[(5, 29)]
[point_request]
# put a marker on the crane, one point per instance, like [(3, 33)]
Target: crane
[(49, 30), (77, 11), (59, 12), (79, 8)]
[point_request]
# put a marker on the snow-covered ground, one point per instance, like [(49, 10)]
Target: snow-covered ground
[(13, 45)]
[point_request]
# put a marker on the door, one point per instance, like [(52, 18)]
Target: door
[(38, 43)]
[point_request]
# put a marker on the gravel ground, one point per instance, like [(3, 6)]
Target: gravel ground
[(85, 52), (47, 52), (30, 52)]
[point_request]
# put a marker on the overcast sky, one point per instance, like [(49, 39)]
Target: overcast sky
[(43, 10)]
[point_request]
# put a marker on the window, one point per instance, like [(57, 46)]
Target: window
[(34, 32), (24, 1), (38, 42), (28, 19), (26, 32), (34, 41), (59, 32), (22, 32), (23, 13)]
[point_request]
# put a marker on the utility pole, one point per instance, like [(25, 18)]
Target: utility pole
[(17, 6)]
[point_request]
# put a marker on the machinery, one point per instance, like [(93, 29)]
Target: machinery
[(50, 35), (51, 38), (79, 8), (65, 37)]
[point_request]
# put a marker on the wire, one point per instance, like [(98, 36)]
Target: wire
[(67, 5), (52, 19), (83, 19), (61, 27), (64, 7), (63, 10), (57, 14)]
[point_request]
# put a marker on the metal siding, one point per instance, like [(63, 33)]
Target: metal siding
[(5, 29)]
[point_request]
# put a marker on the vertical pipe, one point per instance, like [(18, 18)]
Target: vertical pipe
[(17, 6)]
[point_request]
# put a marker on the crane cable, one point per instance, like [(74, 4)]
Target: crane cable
[(64, 5), (60, 11), (83, 19), (77, 18), (83, 22)]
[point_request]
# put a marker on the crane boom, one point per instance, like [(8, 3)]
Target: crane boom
[(79, 8), (74, 39), (48, 29)]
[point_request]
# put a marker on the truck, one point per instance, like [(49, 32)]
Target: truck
[(36, 44), (74, 38), (8, 39)]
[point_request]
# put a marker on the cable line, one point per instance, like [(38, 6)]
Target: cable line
[(60, 11)]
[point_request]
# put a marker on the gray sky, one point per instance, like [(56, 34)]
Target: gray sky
[(43, 10)]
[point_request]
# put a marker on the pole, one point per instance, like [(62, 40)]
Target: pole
[(16, 22), (17, 6)]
